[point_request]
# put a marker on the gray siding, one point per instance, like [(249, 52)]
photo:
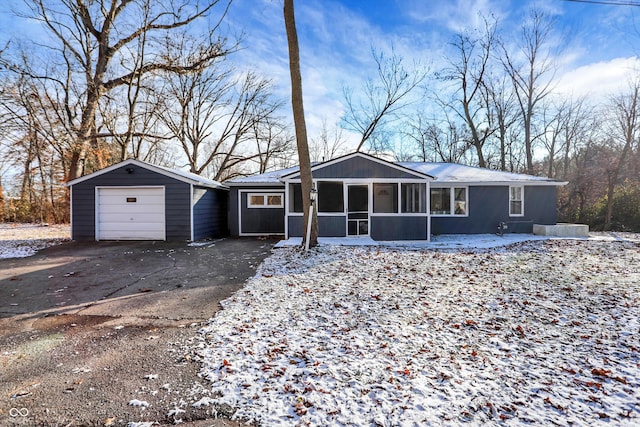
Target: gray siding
[(540, 204), (488, 206), (398, 228), (332, 226), (177, 201), (209, 213), (329, 226), (233, 214), (255, 221), (359, 167), (296, 228)]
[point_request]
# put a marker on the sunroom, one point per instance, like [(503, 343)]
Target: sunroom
[(360, 195)]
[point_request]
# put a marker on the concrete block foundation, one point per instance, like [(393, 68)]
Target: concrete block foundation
[(561, 230)]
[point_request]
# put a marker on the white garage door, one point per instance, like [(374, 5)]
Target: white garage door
[(130, 213)]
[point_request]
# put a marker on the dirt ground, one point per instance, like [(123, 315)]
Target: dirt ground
[(102, 334)]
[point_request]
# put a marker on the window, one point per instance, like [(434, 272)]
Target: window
[(385, 198), (330, 196), (264, 200), (449, 201), (515, 201), (295, 198), (440, 201), (414, 198), (459, 201), (274, 200)]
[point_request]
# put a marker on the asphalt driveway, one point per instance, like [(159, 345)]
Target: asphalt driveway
[(87, 328)]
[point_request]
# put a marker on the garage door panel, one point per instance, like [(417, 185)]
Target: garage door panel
[(127, 191), (130, 213), (125, 227), (128, 217), (140, 209), (131, 235), (129, 199)]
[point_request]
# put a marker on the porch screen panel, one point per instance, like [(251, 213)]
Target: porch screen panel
[(385, 198), (330, 196), (295, 196), (414, 198)]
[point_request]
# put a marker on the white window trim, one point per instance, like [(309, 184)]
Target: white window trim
[(264, 204), (452, 195), (241, 194), (521, 214)]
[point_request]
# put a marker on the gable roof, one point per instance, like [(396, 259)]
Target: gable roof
[(188, 177), (396, 166), (441, 173)]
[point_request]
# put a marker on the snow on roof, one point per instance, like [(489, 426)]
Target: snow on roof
[(453, 172), (272, 177), (192, 177), (443, 172)]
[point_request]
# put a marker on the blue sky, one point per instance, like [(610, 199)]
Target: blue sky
[(600, 42)]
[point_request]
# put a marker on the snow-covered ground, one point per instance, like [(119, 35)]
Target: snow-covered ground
[(22, 240), (544, 332)]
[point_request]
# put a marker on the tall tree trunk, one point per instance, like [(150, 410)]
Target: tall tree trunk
[(298, 119), (2, 209)]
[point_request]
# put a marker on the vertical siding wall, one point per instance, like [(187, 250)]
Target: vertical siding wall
[(329, 226), (209, 213), (233, 214), (177, 201), (254, 220), (488, 206), (398, 228)]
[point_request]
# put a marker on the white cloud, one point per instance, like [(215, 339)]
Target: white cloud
[(599, 79), (456, 16)]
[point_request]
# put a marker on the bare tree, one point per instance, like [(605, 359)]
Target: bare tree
[(625, 132), (275, 145), (531, 71), (299, 120), (129, 115), (30, 152), (329, 144), (92, 38), (567, 123), (468, 72), (214, 115), (500, 99), (382, 98), (437, 141)]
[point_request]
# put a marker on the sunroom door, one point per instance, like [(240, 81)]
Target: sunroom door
[(358, 210)]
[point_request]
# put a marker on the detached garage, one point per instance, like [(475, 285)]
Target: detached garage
[(134, 200)]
